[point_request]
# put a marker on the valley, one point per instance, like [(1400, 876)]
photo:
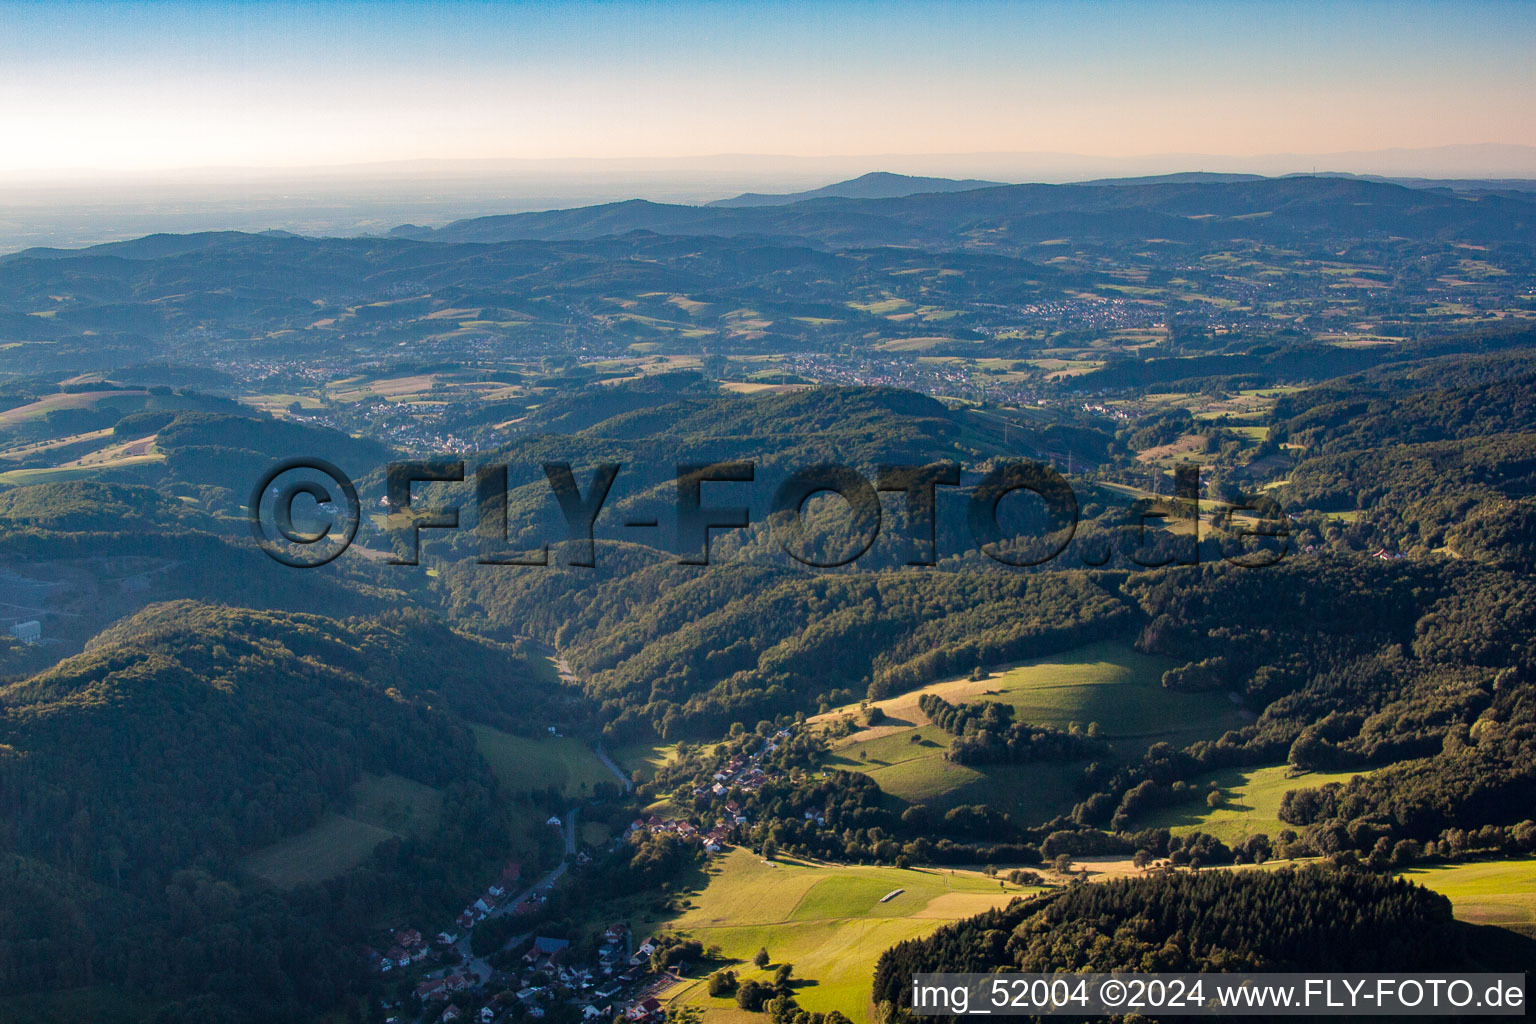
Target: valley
[(579, 792)]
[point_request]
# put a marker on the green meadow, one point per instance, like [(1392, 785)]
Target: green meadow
[(829, 921), (524, 764), (1108, 683), (1250, 802), (383, 807), (1500, 892)]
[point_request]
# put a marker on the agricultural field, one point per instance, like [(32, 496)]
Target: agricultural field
[(125, 400), (1251, 802), (1108, 683), (524, 764), (646, 758), (384, 807), (1250, 406), (420, 388), (86, 439), (1501, 892), (828, 921), (115, 455)]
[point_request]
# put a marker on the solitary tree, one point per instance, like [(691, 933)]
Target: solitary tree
[(761, 956)]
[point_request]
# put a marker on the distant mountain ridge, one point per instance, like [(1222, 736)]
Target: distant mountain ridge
[(1279, 210), (874, 185), (1180, 178)]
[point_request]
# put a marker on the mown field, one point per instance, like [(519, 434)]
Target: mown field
[(524, 764), (1251, 802), (383, 807), (1108, 683), (1501, 892), (644, 757), (829, 921), (826, 920), (125, 399)]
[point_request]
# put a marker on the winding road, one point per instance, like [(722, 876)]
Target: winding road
[(480, 966)]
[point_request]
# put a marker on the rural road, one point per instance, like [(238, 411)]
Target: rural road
[(568, 675), (603, 756), (479, 965)]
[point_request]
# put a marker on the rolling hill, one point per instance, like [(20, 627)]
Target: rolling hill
[(874, 185), (1269, 209), (140, 774)]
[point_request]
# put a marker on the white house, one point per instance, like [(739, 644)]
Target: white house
[(29, 632)]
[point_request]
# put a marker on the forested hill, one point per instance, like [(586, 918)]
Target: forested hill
[(1338, 418), (1291, 208), (1450, 465), (135, 776), (874, 185), (1284, 920), (675, 651)]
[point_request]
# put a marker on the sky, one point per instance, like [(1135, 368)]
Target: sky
[(130, 87)]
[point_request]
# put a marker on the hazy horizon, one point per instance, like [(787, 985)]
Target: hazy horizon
[(94, 207), (1471, 160), (132, 87)]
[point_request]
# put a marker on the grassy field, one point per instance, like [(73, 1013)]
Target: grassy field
[(826, 920), (36, 447), (643, 757), (1252, 803), (53, 475), (525, 763), (1107, 683), (1501, 892), (70, 400), (333, 846), (383, 807), (396, 803)]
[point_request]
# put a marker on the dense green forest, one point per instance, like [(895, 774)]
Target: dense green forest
[(135, 776), (1282, 920), (985, 732), (679, 651)]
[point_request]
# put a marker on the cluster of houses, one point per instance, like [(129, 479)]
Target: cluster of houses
[(406, 948), (615, 980), (549, 974), (441, 988), (492, 899), (714, 841), (743, 772)]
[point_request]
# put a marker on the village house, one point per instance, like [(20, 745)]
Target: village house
[(644, 1009)]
